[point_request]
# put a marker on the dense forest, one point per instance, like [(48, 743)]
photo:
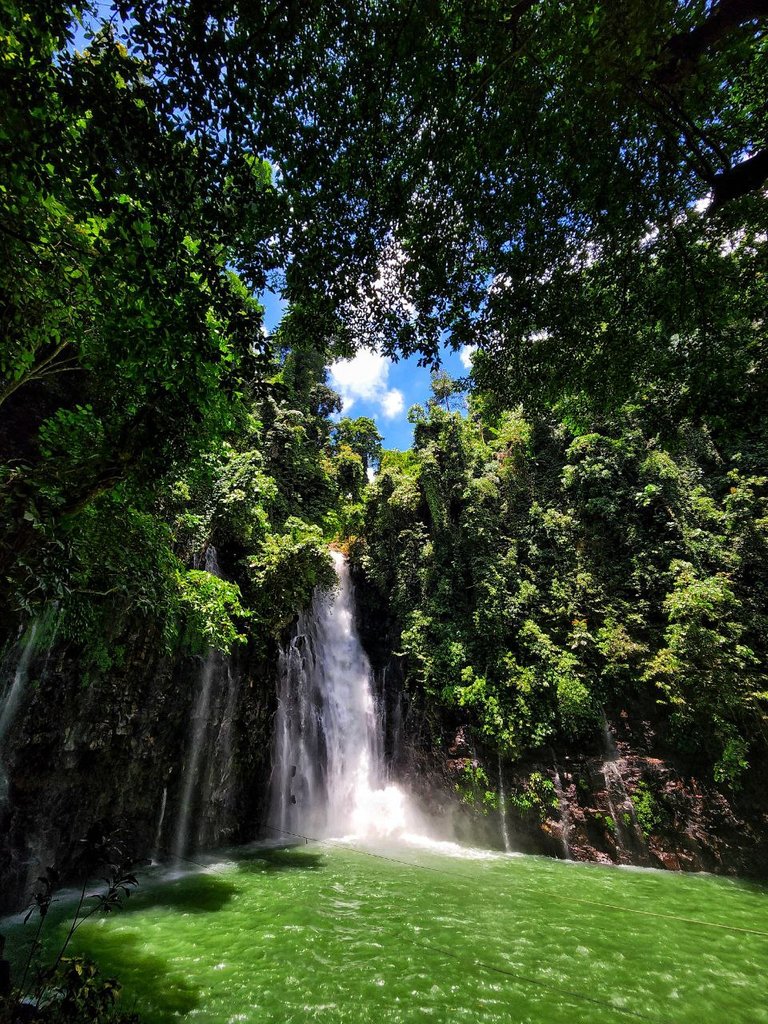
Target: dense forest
[(574, 195), (539, 569)]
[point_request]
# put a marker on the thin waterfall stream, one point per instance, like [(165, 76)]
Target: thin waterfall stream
[(42, 631), (159, 830), (13, 697), (503, 810), (21, 673), (209, 753), (626, 828), (200, 718), (329, 773), (565, 812)]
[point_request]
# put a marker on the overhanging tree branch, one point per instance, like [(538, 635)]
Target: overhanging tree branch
[(45, 368), (739, 180)]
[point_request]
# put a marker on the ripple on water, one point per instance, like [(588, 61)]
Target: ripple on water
[(327, 934)]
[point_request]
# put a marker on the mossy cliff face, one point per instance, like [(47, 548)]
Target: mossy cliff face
[(637, 804), (634, 802), (632, 798), (113, 749)]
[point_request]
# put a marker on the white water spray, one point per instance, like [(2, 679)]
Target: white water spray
[(329, 775), (503, 810)]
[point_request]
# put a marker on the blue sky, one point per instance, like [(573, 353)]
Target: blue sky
[(372, 385)]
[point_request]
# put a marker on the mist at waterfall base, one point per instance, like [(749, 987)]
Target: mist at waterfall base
[(330, 778)]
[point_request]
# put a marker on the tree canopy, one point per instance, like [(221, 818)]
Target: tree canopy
[(577, 188)]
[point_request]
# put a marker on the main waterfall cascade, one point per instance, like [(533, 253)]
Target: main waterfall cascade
[(329, 776)]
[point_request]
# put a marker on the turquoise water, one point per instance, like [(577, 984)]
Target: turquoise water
[(325, 933)]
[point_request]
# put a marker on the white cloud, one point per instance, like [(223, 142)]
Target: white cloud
[(392, 403), (364, 378), (465, 355)]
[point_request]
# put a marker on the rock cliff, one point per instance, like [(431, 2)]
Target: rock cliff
[(114, 748)]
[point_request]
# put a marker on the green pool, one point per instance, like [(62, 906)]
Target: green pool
[(405, 933)]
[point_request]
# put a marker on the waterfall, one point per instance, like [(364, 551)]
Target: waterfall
[(159, 829), (200, 717), (565, 812), (12, 699), (216, 779), (503, 810), (329, 775), (619, 801), (20, 676), (39, 628), (209, 753)]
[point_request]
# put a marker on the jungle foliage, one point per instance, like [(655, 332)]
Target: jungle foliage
[(537, 571), (577, 189), (145, 417)]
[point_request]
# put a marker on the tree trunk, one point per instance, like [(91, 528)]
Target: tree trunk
[(739, 180)]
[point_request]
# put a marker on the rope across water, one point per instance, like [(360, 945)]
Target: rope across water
[(475, 962)]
